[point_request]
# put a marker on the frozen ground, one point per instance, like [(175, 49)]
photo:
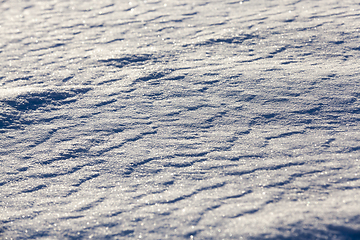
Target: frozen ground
[(179, 119)]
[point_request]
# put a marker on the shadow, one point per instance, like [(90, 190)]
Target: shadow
[(298, 232)]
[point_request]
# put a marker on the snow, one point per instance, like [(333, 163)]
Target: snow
[(179, 119)]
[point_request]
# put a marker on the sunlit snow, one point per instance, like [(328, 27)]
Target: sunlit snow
[(179, 119)]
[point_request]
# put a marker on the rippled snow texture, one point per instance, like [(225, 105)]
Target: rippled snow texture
[(179, 119)]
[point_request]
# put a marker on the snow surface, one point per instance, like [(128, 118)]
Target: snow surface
[(179, 119)]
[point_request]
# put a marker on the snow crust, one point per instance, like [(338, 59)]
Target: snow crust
[(179, 119)]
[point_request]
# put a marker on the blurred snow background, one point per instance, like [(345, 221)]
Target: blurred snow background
[(179, 119)]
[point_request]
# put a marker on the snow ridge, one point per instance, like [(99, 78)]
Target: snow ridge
[(179, 119)]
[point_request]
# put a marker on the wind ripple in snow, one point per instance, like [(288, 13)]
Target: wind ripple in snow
[(161, 119)]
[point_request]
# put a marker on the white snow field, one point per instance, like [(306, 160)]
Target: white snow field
[(179, 119)]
